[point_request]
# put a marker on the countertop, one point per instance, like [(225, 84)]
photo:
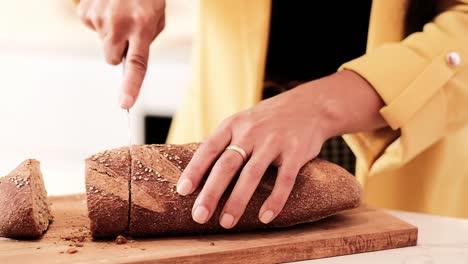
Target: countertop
[(440, 240)]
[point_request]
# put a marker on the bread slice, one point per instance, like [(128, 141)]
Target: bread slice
[(322, 189), (24, 210), (107, 188)]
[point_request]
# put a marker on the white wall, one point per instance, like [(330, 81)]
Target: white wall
[(58, 100)]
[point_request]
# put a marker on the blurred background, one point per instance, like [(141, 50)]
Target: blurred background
[(58, 100)]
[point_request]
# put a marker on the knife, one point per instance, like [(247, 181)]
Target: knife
[(129, 133)]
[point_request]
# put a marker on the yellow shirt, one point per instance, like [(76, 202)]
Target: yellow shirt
[(420, 161)]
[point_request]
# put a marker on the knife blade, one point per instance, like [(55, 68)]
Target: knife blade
[(130, 144)]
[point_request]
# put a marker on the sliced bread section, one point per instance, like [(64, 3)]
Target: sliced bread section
[(24, 210), (107, 188)]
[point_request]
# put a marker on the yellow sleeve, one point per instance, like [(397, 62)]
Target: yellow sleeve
[(423, 81)]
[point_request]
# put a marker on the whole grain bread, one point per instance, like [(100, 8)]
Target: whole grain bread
[(24, 210), (156, 209)]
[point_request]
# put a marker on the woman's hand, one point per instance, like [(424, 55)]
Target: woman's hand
[(126, 26), (286, 131)]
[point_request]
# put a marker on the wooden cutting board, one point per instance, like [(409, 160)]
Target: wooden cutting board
[(354, 231)]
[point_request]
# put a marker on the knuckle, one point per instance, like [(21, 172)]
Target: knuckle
[(99, 22), (253, 171), (294, 142), (228, 163), (275, 139), (209, 198), (115, 38), (313, 149), (250, 124), (235, 205), (112, 60), (228, 123), (236, 118), (225, 125), (162, 24), (314, 152), (277, 200), (81, 12), (208, 150), (251, 128), (193, 171), (116, 21), (141, 20), (288, 179), (138, 62), (97, 19)]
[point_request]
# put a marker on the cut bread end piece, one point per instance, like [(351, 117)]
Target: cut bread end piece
[(24, 209)]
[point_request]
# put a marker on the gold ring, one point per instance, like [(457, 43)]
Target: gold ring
[(238, 150)]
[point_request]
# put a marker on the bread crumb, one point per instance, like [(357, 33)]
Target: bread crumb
[(74, 237), (79, 244), (212, 243), (72, 250), (38, 248), (120, 240)]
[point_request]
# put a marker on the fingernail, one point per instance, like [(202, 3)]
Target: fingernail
[(184, 187), (227, 220), (266, 217), (126, 101), (200, 215)]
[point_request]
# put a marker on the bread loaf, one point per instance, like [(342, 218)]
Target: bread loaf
[(24, 211), (322, 189)]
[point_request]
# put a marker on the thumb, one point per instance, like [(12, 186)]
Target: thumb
[(136, 65)]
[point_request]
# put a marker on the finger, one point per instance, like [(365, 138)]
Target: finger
[(284, 184), (246, 185), (117, 25), (161, 25), (114, 49), (203, 159), (220, 176), (96, 15), (82, 11), (135, 70)]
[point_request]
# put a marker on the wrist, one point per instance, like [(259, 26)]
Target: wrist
[(322, 107), (346, 103)]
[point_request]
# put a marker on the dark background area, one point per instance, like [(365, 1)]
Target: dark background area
[(157, 129)]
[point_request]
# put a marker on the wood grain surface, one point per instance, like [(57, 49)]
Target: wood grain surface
[(354, 231)]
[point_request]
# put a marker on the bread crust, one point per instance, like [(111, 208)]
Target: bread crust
[(321, 189)]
